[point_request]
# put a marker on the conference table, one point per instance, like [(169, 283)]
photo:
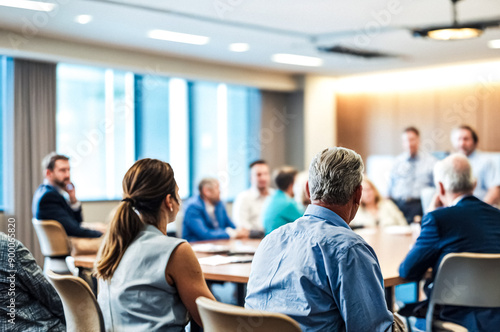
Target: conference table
[(390, 244)]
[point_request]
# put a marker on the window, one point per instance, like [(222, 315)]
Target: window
[(95, 128), (224, 120), (6, 130), (107, 119), (161, 126)]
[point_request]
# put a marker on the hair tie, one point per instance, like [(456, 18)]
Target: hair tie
[(129, 200)]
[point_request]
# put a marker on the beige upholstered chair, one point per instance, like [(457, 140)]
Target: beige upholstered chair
[(81, 309), (464, 279), (55, 246), (220, 317)]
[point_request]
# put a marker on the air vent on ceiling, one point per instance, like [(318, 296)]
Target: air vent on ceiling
[(354, 52)]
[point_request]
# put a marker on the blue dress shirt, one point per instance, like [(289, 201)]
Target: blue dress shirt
[(485, 171), (320, 273), (409, 175), (198, 225)]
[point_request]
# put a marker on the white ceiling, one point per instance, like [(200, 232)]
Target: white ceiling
[(270, 27)]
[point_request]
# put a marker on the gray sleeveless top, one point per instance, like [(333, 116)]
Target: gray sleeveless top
[(138, 298)]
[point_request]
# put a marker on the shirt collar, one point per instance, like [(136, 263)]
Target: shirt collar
[(473, 154), (326, 214), (255, 193), (458, 199), (409, 157), (61, 191)]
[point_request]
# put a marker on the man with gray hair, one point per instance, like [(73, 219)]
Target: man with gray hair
[(459, 222), (316, 269)]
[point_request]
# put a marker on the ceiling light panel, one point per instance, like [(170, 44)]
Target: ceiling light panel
[(494, 43), (178, 37), (30, 5), (239, 47), (298, 60), (83, 19)]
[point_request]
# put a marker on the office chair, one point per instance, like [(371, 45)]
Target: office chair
[(464, 279), (55, 246), (81, 310), (221, 317)]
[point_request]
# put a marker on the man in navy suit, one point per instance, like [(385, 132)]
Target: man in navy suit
[(206, 217), (55, 198), (459, 222)]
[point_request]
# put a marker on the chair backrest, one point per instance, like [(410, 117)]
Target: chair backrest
[(221, 317), (53, 239), (466, 279), (81, 310)]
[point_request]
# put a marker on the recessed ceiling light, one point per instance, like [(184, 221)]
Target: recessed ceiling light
[(454, 33), (239, 47), (178, 37), (83, 19), (299, 60), (494, 43), (26, 4)]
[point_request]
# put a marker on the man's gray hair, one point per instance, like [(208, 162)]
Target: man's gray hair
[(455, 173), (207, 182), (334, 175)]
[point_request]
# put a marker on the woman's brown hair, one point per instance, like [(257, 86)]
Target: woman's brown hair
[(145, 186), (378, 197)]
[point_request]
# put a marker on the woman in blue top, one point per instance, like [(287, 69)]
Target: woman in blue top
[(281, 208), (148, 281)]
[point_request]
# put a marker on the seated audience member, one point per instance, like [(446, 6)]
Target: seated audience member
[(376, 210), (411, 172), (299, 190), (281, 208), (55, 199), (247, 208), (148, 281), (317, 270), (206, 217), (28, 301), (459, 222), (484, 168)]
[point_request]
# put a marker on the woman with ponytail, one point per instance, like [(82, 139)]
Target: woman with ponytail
[(148, 281)]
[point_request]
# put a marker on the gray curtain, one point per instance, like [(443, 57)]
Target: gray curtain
[(34, 137)]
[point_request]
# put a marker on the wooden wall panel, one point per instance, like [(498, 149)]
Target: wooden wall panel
[(380, 114), (371, 123), (351, 121), (416, 109), (489, 133)]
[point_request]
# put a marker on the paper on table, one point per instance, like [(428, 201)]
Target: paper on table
[(242, 249), (220, 260), (403, 230), (210, 248)]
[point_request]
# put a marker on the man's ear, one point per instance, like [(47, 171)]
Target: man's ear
[(357, 194), (441, 189), (48, 173), (308, 193)]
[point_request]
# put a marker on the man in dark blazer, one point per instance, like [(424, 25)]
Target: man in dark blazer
[(55, 198), (459, 222), (206, 217)]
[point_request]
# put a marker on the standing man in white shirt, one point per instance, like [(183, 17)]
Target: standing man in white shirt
[(247, 207), (484, 168)]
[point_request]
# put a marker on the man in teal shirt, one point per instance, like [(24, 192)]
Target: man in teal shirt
[(281, 208)]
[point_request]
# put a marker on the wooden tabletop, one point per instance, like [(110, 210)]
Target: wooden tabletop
[(391, 249)]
